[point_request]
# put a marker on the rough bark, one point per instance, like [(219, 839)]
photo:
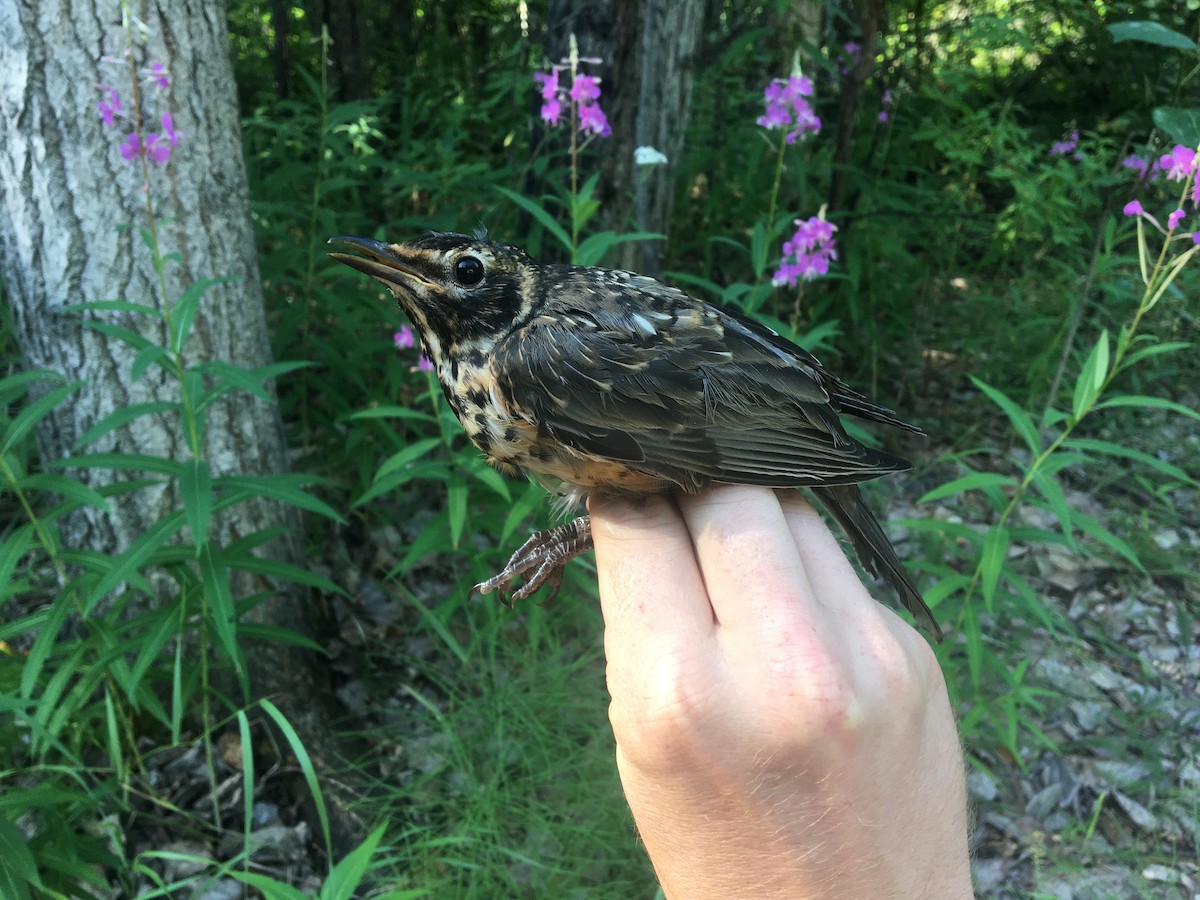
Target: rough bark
[(851, 98), (649, 52), (64, 191), (281, 64), (670, 43)]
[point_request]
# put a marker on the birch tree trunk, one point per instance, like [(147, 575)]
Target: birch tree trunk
[(65, 188)]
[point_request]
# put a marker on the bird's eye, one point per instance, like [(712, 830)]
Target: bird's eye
[(468, 271)]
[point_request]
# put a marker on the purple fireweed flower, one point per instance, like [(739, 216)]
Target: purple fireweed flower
[(159, 75), (585, 89), (1174, 218), (807, 254), (109, 108), (1179, 163), (403, 338), (132, 148), (1062, 148), (424, 364), (1133, 208), (1196, 237), (592, 120), (583, 95), (169, 131), (157, 148), (786, 107)]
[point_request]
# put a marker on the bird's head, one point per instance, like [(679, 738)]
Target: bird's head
[(461, 293)]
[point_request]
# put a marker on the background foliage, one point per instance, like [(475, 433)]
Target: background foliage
[(988, 287)]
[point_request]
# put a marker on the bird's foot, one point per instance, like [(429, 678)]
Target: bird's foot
[(540, 561)]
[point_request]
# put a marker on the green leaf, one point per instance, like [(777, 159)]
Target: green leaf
[(17, 860), (1107, 448), (1020, 419), (119, 333), (237, 377), (591, 251), (970, 482), (539, 212), (268, 886), (1150, 33), (215, 578), (183, 313), (758, 249), (346, 876), (1057, 500), (1146, 402), (481, 471), (12, 548), (32, 413), (69, 488), (284, 488), (111, 306), (148, 356), (124, 416), (456, 505), (409, 454), (195, 488), (273, 568), (15, 385), (1090, 526), (393, 412), (134, 557), (1181, 125), (306, 766), (131, 462), (1091, 377), (991, 561)]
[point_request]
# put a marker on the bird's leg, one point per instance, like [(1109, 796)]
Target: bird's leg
[(540, 561)]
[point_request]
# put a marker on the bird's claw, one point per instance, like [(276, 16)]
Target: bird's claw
[(539, 561)]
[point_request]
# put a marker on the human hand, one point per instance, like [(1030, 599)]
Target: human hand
[(779, 733)]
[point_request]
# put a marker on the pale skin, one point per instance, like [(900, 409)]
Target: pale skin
[(779, 732)]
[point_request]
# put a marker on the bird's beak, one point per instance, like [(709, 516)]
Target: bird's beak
[(380, 261)]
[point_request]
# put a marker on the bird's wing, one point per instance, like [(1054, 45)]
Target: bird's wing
[(647, 375)]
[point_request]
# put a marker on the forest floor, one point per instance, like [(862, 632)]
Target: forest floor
[(1103, 803)]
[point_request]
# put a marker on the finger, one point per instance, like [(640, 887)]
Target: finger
[(874, 630), (651, 592), (755, 576), (833, 578)]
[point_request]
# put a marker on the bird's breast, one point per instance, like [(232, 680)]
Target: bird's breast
[(511, 439)]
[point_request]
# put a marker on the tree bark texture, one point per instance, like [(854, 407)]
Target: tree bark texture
[(650, 52), (64, 191)]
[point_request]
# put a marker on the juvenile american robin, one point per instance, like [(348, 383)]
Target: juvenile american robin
[(602, 381)]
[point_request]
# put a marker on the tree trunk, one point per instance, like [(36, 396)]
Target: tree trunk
[(281, 64), (64, 191), (649, 52), (851, 98), (670, 41)]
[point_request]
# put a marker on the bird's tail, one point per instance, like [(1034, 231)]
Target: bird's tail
[(845, 503)]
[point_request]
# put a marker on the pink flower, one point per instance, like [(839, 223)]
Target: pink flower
[(1133, 208), (583, 95), (132, 147), (404, 338), (158, 75), (424, 364), (109, 108), (1179, 163), (807, 254), (787, 108), (592, 120), (585, 89), (1174, 219)]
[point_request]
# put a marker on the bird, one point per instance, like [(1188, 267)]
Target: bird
[(603, 381)]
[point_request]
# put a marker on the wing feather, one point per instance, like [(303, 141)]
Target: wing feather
[(712, 397)]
